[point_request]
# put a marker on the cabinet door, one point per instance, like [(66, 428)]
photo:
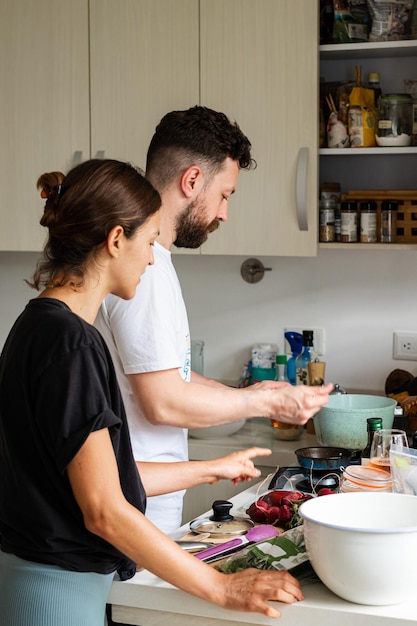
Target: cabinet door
[(44, 122), (259, 64), (144, 63)]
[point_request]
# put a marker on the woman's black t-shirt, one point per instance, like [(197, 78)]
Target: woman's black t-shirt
[(57, 385)]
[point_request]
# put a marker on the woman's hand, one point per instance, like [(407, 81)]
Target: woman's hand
[(250, 590), (237, 466)]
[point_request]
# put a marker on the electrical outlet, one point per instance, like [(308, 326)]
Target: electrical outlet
[(405, 345), (318, 338)]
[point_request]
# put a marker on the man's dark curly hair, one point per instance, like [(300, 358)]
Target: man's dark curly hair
[(198, 136)]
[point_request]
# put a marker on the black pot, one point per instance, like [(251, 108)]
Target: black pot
[(323, 457)]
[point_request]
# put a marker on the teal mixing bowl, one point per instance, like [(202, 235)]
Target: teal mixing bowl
[(342, 422)]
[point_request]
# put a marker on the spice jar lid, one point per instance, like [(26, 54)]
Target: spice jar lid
[(397, 97), (389, 205), (348, 205), (369, 205)]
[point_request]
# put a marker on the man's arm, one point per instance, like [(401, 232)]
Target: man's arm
[(165, 398)]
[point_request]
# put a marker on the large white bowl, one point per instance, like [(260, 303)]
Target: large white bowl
[(216, 432), (363, 546), (342, 422)]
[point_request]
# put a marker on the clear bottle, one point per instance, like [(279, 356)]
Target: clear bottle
[(372, 424), (285, 432), (307, 356)]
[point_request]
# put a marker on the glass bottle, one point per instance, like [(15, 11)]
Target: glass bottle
[(372, 424), (307, 356), (373, 83), (285, 432)]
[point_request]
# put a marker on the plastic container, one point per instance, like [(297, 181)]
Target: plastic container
[(395, 120), (388, 229)]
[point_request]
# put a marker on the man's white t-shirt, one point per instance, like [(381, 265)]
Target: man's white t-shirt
[(146, 334)]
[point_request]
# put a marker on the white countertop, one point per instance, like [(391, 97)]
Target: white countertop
[(149, 601), (256, 432)]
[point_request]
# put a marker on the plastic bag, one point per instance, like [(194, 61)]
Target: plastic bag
[(403, 462), (390, 20), (284, 552), (350, 21), (362, 118)]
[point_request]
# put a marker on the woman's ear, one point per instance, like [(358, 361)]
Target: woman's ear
[(114, 241), (191, 181)]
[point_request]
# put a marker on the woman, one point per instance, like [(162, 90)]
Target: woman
[(72, 500)]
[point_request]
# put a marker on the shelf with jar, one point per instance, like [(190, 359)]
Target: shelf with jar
[(382, 168)]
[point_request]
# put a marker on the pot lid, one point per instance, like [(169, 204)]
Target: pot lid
[(221, 522)]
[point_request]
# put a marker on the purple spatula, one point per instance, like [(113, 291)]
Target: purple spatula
[(254, 535)]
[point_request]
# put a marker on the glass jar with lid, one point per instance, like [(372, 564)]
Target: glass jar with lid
[(364, 478), (388, 230), (349, 221), (395, 120), (368, 221)]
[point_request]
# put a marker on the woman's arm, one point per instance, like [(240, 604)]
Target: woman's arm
[(159, 478), (95, 482)]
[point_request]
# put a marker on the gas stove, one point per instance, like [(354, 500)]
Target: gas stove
[(298, 479)]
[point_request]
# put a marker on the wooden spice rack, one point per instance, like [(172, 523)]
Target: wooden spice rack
[(406, 214)]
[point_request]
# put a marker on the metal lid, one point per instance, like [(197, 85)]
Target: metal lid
[(221, 522)]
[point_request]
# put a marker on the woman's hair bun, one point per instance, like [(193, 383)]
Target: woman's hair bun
[(50, 186)]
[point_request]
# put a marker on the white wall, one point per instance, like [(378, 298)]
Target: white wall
[(359, 297)]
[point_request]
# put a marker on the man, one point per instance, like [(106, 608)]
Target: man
[(194, 160)]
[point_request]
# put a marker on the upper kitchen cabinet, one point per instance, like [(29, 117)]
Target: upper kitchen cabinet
[(144, 63), (259, 64), (44, 124)]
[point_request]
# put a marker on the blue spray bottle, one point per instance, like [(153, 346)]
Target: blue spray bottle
[(296, 343)]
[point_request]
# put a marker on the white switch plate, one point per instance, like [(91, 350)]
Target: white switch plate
[(405, 345), (318, 338)]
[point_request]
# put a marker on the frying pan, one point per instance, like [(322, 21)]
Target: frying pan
[(323, 457)]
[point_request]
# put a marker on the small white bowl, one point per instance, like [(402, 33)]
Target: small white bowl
[(363, 546), (216, 432)]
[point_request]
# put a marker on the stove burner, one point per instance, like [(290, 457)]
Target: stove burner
[(300, 479), (307, 485)]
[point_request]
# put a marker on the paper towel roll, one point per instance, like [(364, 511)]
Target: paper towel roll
[(264, 355)]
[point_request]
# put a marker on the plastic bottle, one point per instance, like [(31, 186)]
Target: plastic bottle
[(296, 344), (372, 424), (307, 356), (281, 368)]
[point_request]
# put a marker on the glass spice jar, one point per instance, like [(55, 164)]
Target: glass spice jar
[(327, 209), (388, 229), (368, 222), (349, 222)]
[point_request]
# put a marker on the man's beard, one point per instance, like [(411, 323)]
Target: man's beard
[(191, 230)]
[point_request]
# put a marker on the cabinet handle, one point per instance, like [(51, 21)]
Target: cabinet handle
[(77, 158), (301, 188), (100, 154)]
